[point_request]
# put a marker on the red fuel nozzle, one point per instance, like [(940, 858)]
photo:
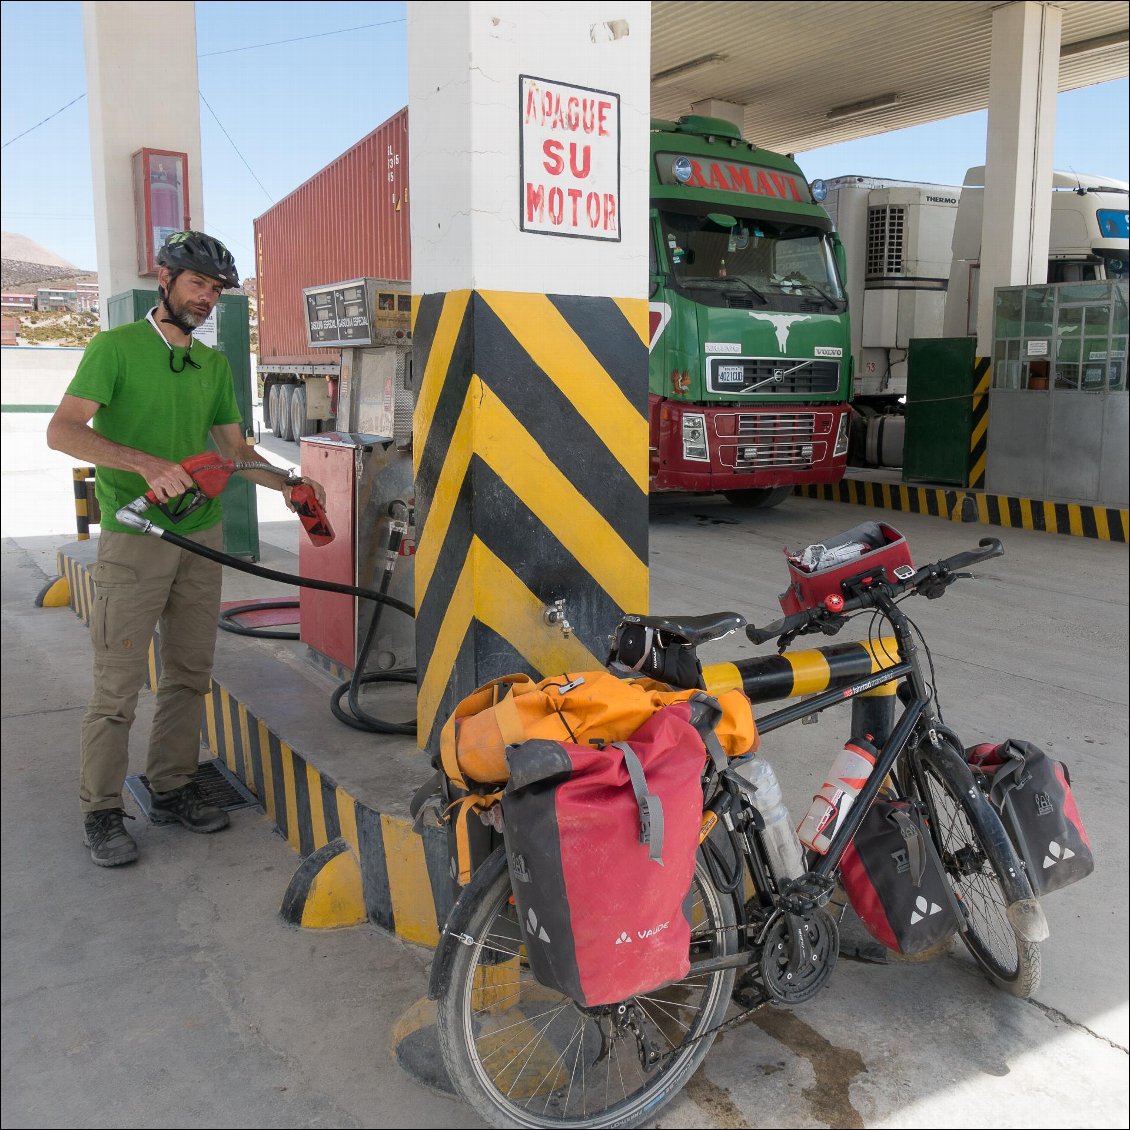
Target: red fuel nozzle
[(311, 514)]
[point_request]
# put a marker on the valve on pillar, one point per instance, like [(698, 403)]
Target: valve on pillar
[(554, 614)]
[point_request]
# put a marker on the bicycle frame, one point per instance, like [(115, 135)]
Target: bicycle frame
[(918, 721)]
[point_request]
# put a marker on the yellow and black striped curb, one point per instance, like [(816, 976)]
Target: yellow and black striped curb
[(358, 863), (959, 505), (531, 471)]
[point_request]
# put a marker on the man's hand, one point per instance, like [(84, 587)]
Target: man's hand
[(316, 487), (166, 480)]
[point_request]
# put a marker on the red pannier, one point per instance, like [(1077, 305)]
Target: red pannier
[(1032, 793), (895, 881), (871, 549), (601, 845)]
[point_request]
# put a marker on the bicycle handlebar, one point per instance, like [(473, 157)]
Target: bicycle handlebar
[(930, 581)]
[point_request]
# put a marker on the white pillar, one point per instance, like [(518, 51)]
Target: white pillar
[(1024, 80), (528, 137), (142, 92)]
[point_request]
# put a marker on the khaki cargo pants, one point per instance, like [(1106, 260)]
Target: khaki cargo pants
[(140, 581)]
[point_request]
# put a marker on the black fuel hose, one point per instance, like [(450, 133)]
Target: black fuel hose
[(359, 720), (229, 623)]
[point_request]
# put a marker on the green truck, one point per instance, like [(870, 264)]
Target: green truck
[(750, 349)]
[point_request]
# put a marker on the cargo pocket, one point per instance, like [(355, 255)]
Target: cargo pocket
[(112, 582)]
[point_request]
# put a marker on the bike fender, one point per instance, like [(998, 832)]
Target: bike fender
[(1025, 913), (454, 932)]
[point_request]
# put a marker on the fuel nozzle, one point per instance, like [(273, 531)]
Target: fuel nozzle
[(396, 530)]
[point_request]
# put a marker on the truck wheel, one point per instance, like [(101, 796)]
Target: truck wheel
[(299, 425), (268, 389), (282, 412), (761, 499)]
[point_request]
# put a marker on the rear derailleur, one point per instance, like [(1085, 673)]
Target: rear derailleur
[(624, 1021)]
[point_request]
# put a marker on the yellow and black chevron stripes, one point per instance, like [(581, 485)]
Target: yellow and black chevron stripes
[(979, 423), (1078, 519), (530, 439), (798, 673)]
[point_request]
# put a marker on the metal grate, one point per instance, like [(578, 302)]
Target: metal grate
[(217, 784), (886, 230)]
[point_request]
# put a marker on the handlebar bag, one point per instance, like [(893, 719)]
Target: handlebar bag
[(1032, 793), (882, 550), (601, 845), (895, 882)]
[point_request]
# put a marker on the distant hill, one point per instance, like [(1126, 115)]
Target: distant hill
[(24, 250)]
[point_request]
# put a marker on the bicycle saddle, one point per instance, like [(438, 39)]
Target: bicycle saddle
[(693, 629)]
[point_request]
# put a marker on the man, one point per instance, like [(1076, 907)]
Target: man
[(144, 397)]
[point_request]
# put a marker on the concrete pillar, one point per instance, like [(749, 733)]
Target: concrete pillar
[(141, 92), (528, 149), (1023, 84)]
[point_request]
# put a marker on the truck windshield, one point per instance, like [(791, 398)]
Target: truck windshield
[(747, 262)]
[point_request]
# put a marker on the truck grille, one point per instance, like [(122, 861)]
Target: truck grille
[(773, 440), (735, 375)]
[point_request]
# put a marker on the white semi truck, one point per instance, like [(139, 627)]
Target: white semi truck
[(913, 252)]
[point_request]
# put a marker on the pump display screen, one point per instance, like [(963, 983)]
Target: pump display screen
[(338, 316)]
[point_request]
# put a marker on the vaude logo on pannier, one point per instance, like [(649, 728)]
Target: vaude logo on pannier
[(1044, 804), (533, 929), (643, 935), (1057, 853), (923, 908)]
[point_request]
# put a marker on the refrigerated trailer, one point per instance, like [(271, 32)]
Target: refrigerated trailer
[(913, 258)]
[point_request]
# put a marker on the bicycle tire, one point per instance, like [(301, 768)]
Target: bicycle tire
[(522, 1054), (975, 871)]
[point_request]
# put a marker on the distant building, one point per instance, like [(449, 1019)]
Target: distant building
[(49, 298), (10, 300), (87, 297)]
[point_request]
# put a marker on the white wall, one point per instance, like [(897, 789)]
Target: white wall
[(36, 375), (142, 92), (464, 65)]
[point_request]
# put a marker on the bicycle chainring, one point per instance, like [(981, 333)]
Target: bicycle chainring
[(799, 955)]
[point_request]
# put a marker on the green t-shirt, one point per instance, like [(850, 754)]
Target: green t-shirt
[(146, 406)]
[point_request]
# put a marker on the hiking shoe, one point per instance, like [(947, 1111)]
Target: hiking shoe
[(187, 806), (109, 842)]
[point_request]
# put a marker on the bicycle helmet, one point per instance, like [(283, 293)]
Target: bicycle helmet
[(195, 251)]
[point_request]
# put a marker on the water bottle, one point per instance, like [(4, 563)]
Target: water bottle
[(786, 859), (848, 775)]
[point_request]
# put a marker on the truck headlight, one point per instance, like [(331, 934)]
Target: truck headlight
[(842, 436), (695, 445)]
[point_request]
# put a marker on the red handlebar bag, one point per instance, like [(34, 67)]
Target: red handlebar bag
[(887, 552), (601, 847)]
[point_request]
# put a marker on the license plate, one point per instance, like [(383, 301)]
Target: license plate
[(731, 374)]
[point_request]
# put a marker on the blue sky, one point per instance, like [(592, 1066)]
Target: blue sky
[(286, 109)]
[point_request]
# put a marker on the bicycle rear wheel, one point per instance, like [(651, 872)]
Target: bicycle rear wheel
[(975, 871), (524, 1055)]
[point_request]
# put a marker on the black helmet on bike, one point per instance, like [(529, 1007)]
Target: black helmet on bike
[(195, 251)]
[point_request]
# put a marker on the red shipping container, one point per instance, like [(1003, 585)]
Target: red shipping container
[(348, 221)]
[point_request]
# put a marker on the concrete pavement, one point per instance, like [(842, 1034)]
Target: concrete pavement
[(172, 994)]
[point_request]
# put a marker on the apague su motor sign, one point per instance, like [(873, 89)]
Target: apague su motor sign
[(570, 152)]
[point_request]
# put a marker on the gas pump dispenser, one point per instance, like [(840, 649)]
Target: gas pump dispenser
[(366, 469)]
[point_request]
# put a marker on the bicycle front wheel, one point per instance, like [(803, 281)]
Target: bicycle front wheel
[(522, 1054), (976, 873)]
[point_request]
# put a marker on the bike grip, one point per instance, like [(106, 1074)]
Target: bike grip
[(990, 547), (311, 513), (791, 623)]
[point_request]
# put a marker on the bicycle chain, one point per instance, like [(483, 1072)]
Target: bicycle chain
[(725, 1026)]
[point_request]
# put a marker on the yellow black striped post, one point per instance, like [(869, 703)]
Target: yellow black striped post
[(979, 423), (86, 504), (531, 463)]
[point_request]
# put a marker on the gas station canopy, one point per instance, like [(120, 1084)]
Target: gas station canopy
[(815, 74)]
